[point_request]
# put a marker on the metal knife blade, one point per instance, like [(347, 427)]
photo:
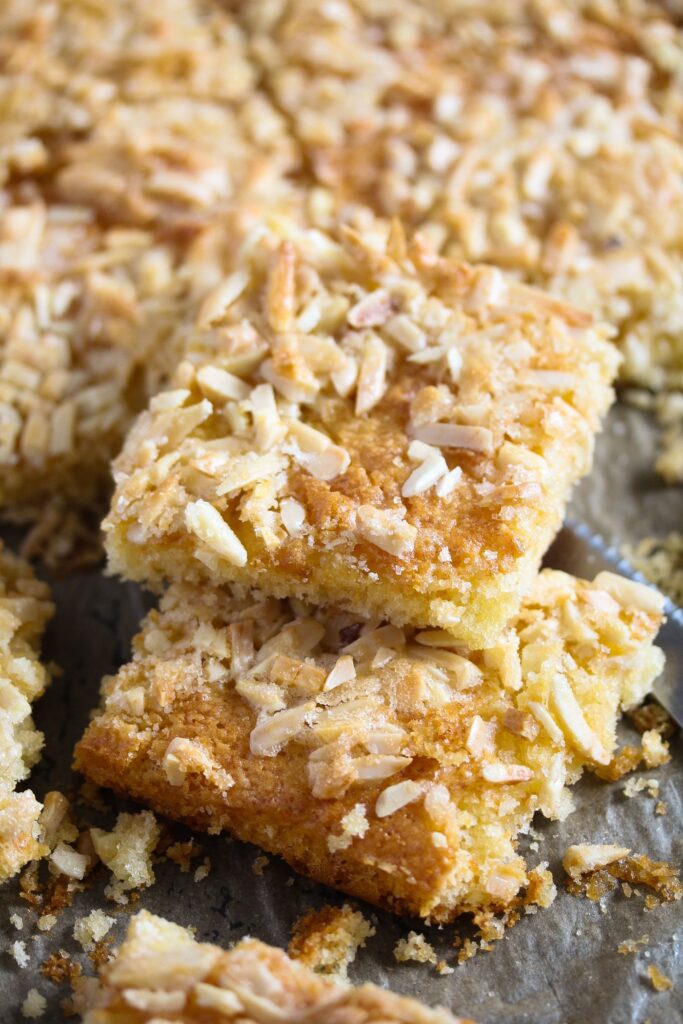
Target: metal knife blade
[(579, 551)]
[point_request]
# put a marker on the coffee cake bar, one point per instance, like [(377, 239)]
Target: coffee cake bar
[(359, 423), (25, 607), (383, 761), (162, 972)]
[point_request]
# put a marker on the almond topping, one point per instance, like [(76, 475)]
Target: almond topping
[(425, 476), (379, 766), (573, 722), (585, 857), (343, 671), (629, 594), (206, 523), (216, 304), (293, 516), (372, 376), (325, 465), (546, 720), (393, 798), (481, 737), (373, 310), (281, 289), (501, 773), (272, 732), (454, 435), (386, 530), (219, 384)]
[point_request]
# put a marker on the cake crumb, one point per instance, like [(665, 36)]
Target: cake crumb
[(633, 945), (354, 825), (260, 864), (203, 870), (415, 947), (91, 929), (661, 808), (60, 969), (127, 852), (34, 1005), (443, 968), (47, 922), (655, 749), (16, 921), (634, 786), (659, 981), (183, 854), (18, 951), (327, 940)]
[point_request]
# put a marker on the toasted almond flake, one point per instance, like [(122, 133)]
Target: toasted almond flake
[(206, 523), (466, 673), (379, 766), (454, 435), (69, 862), (425, 476), (498, 772), (271, 733), (449, 482), (211, 997), (601, 601), (393, 798), (63, 429), (281, 289), (382, 657), (325, 465), (216, 304), (293, 516), (372, 381), (343, 671), (388, 636), (554, 380), (219, 384), (406, 333), (245, 470), (373, 310), (585, 857), (154, 1001), (481, 737), (297, 391), (629, 594), (573, 722), (386, 530), (418, 451), (546, 720), (267, 423), (387, 739), (308, 438), (455, 363), (167, 400), (344, 379), (501, 887), (519, 723), (435, 638)]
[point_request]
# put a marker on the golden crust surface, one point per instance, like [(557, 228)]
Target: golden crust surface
[(25, 608), (161, 968), (358, 422), (384, 762)]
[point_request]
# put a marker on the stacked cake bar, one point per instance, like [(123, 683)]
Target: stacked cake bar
[(25, 607), (363, 455)]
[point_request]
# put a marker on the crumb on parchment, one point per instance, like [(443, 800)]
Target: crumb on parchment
[(327, 940)]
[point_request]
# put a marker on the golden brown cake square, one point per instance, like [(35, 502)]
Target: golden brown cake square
[(386, 762), (162, 972), (359, 423)]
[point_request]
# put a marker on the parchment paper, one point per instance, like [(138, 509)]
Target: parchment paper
[(559, 966)]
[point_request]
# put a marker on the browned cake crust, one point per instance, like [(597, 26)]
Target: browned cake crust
[(361, 424), (374, 759), (162, 972), (25, 608)]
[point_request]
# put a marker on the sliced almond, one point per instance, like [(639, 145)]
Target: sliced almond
[(206, 523), (454, 435), (373, 310), (343, 671), (219, 384), (573, 723), (629, 594), (584, 857), (425, 476), (216, 304), (386, 530), (393, 798), (498, 772), (481, 737), (271, 733)]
